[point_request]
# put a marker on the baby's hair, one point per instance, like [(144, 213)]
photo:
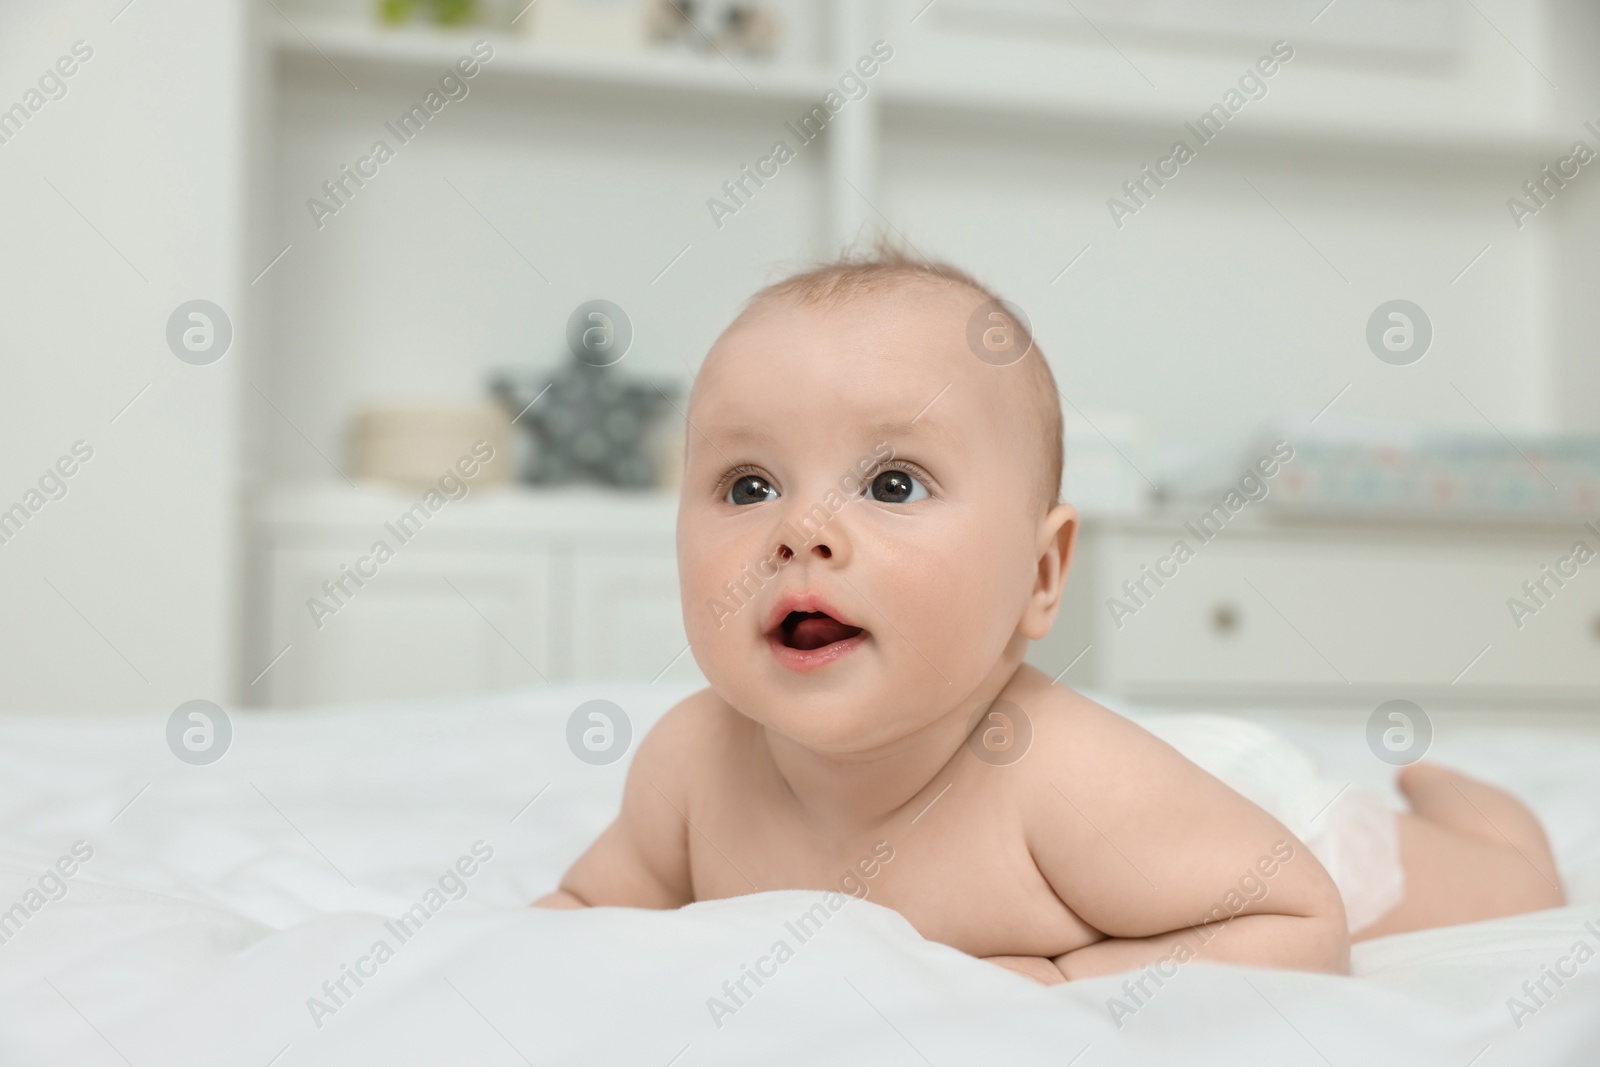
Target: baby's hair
[(886, 266)]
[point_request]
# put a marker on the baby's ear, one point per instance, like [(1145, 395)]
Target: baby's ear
[(1058, 534)]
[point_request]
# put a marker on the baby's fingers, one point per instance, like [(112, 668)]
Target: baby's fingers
[(1038, 968)]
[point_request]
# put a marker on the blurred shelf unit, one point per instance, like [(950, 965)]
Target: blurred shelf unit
[(909, 95), (328, 41), (1330, 613), (503, 588), (1022, 108)]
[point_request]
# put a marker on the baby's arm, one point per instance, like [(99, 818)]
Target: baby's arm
[(1169, 863), (642, 859)]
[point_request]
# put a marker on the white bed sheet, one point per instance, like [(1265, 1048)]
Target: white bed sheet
[(222, 897)]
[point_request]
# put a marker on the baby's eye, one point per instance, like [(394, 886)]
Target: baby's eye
[(896, 487), (750, 489)]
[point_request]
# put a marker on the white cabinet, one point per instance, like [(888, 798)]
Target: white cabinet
[(627, 620), (431, 622), (1337, 612), (505, 588)]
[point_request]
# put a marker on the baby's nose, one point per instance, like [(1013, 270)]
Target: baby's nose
[(821, 550)]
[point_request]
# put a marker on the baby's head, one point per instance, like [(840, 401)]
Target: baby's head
[(869, 532)]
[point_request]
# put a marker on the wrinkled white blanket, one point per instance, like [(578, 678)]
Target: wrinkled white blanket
[(225, 909)]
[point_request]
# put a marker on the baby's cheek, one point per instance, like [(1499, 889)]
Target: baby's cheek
[(695, 584), (722, 596), (706, 607), (971, 594), (939, 599)]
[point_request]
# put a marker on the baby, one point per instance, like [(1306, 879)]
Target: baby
[(869, 536)]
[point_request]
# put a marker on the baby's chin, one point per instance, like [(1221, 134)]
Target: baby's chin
[(831, 722)]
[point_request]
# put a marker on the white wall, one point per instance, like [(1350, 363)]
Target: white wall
[(142, 550)]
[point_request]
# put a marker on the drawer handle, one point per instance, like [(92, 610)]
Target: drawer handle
[(1225, 619)]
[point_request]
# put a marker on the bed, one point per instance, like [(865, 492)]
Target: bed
[(230, 914)]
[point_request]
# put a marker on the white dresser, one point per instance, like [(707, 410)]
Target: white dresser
[(1334, 613), (499, 589)]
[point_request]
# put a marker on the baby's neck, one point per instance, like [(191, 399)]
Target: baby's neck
[(853, 793)]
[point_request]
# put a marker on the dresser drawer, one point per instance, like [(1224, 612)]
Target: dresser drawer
[(500, 590), (626, 616), (428, 623), (1304, 613)]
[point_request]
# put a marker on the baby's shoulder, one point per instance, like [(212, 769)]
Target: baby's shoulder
[(697, 731), (1065, 723), (1073, 737)]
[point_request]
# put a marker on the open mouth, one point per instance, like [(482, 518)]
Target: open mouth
[(808, 631)]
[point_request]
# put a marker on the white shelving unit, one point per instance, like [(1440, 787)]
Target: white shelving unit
[(661, 74), (541, 566), (791, 84), (651, 72), (854, 136)]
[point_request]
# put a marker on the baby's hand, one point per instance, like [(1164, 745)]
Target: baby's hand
[(1038, 968)]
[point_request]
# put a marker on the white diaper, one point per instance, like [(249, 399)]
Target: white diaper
[(1354, 836)]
